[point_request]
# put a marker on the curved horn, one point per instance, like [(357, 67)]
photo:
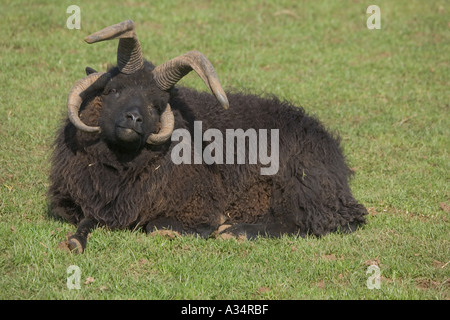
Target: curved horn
[(79, 91), (167, 125), (129, 52), (169, 73)]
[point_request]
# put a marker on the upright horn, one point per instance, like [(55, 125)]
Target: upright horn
[(129, 60), (169, 73), (129, 52)]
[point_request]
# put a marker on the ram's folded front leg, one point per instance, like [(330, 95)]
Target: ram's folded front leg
[(77, 242)]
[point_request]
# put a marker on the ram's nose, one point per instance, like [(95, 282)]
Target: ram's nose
[(133, 116)]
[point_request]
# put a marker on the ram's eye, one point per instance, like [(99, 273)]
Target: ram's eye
[(111, 92)]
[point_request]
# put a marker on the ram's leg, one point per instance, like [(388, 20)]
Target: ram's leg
[(253, 230), (239, 230), (164, 223), (77, 242)]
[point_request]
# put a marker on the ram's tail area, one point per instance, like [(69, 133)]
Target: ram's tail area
[(319, 202)]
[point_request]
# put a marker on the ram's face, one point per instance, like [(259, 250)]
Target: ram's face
[(129, 113)]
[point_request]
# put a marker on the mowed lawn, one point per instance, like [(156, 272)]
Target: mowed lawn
[(386, 92)]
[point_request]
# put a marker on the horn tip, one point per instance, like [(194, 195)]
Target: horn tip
[(122, 29), (92, 38), (223, 100), (226, 106)]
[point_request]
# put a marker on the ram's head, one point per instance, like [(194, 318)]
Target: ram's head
[(134, 95)]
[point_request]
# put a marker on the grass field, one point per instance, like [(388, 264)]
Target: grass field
[(385, 91)]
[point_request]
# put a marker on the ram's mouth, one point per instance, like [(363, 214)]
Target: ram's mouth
[(128, 134), (129, 130)]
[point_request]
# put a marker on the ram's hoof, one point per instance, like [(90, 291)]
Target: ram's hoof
[(75, 245)]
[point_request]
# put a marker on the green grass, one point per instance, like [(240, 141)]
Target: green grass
[(386, 92)]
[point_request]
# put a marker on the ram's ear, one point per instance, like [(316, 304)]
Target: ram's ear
[(90, 70)]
